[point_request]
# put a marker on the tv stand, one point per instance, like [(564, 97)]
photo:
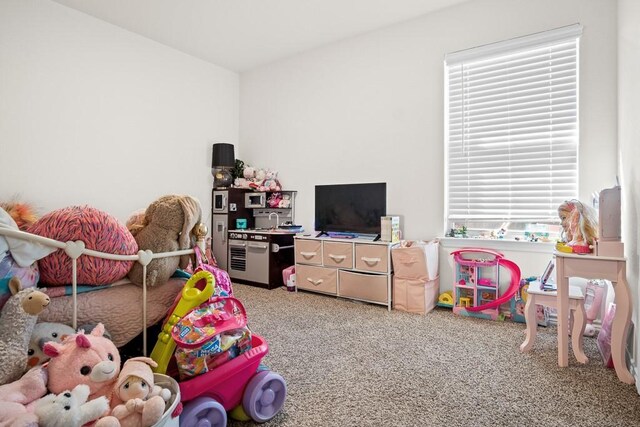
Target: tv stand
[(322, 233), (355, 268)]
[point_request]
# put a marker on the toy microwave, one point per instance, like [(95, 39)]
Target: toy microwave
[(255, 200)]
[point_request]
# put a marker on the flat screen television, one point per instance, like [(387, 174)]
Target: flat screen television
[(350, 208)]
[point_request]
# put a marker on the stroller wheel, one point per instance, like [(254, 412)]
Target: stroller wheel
[(264, 396), (203, 412)]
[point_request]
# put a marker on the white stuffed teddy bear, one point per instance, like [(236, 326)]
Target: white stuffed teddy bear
[(70, 408)]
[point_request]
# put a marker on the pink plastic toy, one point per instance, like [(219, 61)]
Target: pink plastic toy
[(482, 288), (207, 397)]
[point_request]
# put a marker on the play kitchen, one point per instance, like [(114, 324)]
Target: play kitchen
[(253, 234)]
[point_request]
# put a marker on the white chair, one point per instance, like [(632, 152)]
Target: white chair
[(535, 295)]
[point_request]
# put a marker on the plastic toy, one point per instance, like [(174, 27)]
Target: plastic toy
[(595, 293), (579, 227), (445, 299), (208, 397), (191, 297), (223, 387), (477, 283)]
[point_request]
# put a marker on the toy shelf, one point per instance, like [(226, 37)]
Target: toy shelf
[(476, 282)]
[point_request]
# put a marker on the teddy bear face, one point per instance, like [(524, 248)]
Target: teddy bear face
[(133, 387)]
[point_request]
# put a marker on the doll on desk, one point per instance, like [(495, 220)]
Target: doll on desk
[(579, 227)]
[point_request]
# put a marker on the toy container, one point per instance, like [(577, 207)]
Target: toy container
[(415, 276), (239, 381), (168, 419)]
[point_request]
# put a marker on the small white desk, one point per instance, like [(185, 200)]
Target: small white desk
[(595, 267)]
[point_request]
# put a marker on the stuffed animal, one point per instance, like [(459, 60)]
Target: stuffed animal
[(285, 202), (89, 359), (249, 173), (70, 408), (270, 182), (274, 200), (19, 316), (261, 174), (22, 213), (42, 334), (144, 402), (14, 396), (241, 183), (167, 227)]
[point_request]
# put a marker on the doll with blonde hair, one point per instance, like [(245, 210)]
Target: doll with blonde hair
[(579, 225)]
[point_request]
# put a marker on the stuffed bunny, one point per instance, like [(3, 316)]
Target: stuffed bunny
[(166, 227)]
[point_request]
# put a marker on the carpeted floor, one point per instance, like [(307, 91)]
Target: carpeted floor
[(354, 364)]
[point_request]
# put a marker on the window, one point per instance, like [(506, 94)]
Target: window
[(511, 129)]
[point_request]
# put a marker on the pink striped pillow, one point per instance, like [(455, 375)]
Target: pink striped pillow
[(99, 231)]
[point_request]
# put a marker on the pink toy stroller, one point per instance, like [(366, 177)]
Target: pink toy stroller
[(208, 396)]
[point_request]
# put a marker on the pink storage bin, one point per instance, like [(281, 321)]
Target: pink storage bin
[(416, 260), (415, 296)]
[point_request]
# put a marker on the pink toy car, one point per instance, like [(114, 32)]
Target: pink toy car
[(208, 397)]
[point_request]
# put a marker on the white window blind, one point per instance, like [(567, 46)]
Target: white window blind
[(512, 129)]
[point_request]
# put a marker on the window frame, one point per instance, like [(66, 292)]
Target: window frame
[(547, 226)]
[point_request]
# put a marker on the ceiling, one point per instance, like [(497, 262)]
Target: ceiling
[(243, 34)]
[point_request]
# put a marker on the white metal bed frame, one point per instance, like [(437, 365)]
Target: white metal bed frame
[(75, 249)]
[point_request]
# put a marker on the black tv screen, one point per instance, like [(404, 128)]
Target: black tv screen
[(350, 208)]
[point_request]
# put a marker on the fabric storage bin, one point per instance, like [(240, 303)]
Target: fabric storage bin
[(415, 296), (416, 260), (367, 287)]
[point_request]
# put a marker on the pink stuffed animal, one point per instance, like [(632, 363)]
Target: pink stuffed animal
[(84, 359), (16, 395)]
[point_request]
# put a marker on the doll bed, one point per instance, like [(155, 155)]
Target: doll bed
[(125, 309)]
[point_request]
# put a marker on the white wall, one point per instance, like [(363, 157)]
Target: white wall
[(629, 135), (371, 108), (93, 114)]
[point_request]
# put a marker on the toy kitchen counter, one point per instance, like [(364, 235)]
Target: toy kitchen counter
[(258, 256)]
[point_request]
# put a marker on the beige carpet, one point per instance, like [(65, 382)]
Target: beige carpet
[(353, 364)]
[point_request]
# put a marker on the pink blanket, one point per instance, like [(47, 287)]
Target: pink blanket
[(119, 308)]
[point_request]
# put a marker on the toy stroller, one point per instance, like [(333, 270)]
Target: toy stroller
[(240, 384)]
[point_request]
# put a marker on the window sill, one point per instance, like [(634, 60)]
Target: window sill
[(498, 244)]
